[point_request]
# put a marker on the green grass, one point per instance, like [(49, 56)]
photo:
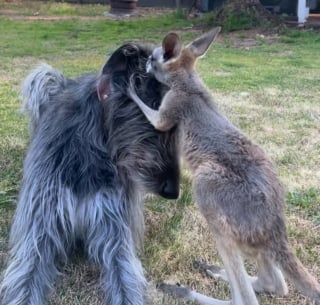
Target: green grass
[(267, 85), (265, 65), (50, 39)]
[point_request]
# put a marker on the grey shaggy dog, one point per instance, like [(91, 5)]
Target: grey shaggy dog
[(91, 158)]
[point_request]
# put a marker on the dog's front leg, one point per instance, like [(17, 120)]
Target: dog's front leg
[(111, 247), (38, 246)]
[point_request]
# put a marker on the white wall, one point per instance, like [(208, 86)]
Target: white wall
[(302, 11)]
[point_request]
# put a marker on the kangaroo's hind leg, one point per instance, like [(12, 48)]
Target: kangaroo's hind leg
[(269, 278), (241, 287)]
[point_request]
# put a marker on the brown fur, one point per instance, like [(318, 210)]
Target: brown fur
[(235, 184)]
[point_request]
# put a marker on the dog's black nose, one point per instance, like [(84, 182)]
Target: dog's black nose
[(169, 189)]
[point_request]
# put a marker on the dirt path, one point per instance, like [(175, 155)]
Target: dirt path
[(140, 12)]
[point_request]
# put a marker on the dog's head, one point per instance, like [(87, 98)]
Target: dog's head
[(172, 57), (143, 154)]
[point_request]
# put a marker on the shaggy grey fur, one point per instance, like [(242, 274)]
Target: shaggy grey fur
[(89, 163)]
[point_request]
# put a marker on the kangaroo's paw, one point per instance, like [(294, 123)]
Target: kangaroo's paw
[(191, 295), (212, 271), (176, 290)]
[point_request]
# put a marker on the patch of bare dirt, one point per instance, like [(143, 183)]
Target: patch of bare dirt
[(139, 12), (247, 39)]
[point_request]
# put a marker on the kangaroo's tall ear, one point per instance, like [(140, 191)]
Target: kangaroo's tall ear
[(171, 46), (200, 45)]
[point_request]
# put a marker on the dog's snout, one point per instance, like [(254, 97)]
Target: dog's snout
[(169, 189)]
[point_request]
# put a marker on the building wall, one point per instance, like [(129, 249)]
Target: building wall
[(141, 3), (286, 6), (164, 3)]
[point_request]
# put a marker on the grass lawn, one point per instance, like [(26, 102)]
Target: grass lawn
[(268, 85)]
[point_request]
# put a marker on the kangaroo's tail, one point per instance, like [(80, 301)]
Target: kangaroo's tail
[(38, 89), (297, 273)]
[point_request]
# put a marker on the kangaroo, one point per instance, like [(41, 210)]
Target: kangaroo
[(234, 183)]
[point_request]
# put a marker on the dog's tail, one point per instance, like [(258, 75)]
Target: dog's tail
[(297, 273), (37, 90)]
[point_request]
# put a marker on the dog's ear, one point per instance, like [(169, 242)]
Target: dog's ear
[(104, 87), (117, 62), (200, 45), (171, 46)]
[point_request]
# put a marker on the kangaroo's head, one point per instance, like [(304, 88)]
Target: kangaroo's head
[(172, 58)]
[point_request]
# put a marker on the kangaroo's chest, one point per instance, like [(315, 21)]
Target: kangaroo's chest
[(197, 146)]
